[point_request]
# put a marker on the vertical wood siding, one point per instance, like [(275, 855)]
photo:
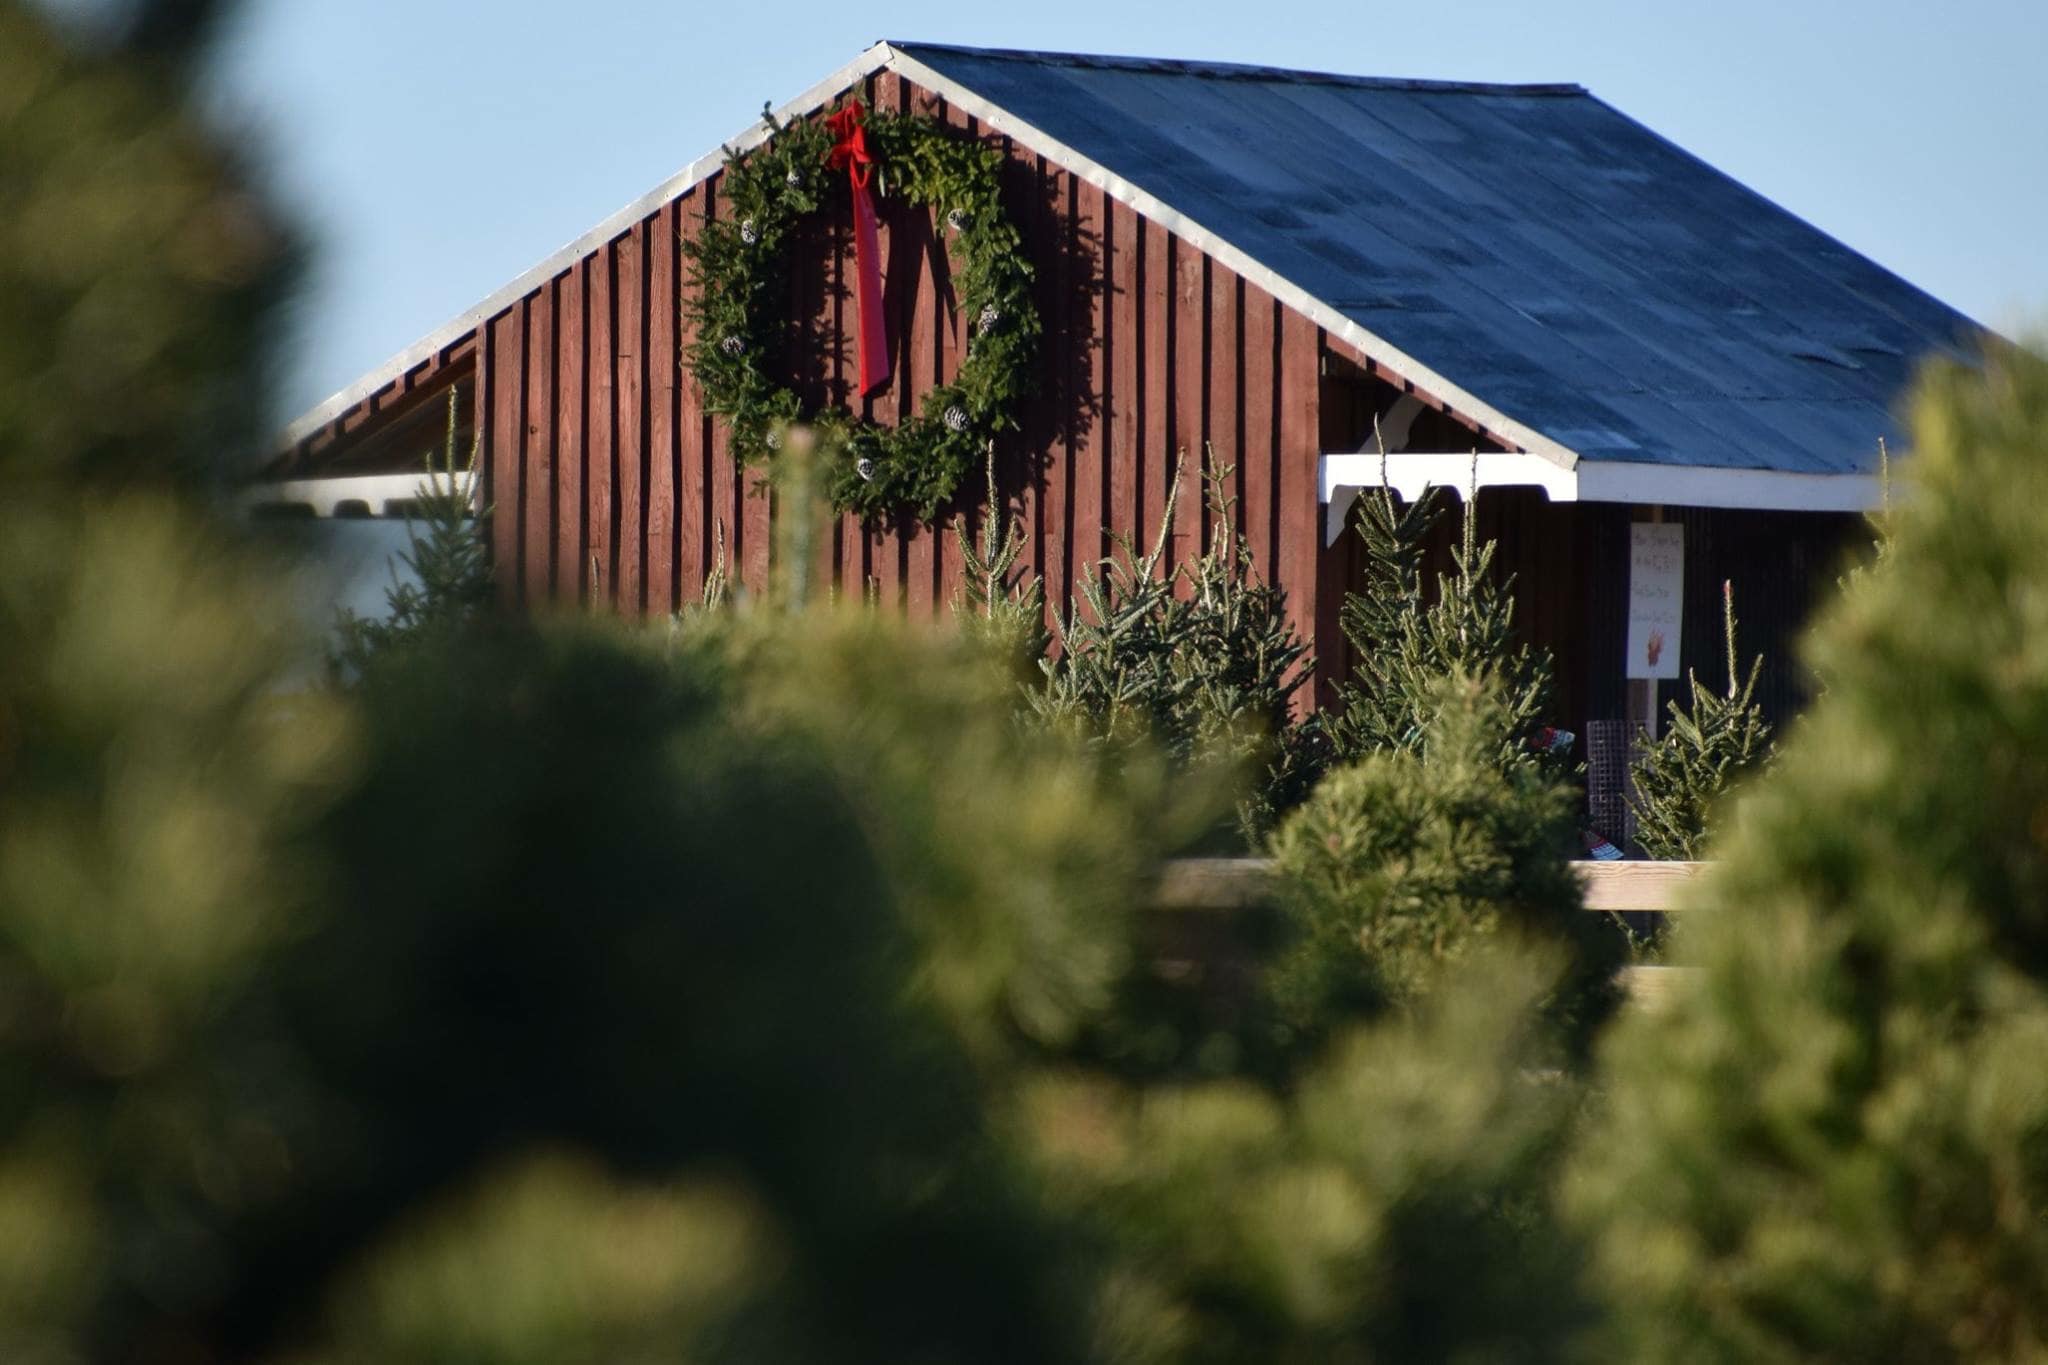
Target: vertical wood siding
[(611, 485)]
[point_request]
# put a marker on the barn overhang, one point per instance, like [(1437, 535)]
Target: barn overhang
[(359, 495), (1341, 478)]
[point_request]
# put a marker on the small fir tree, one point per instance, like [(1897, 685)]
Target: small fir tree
[(1202, 661), (1829, 1147), (1373, 712), (1114, 677), (1248, 662), (1412, 858), (999, 603), (448, 559), (1390, 1202), (1408, 646), (1680, 778)]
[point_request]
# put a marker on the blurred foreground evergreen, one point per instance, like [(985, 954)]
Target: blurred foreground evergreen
[(761, 988)]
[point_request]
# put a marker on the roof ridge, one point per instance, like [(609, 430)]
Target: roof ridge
[(1242, 71)]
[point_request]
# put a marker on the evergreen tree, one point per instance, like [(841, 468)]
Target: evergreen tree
[(1408, 645), (1374, 711), (1203, 662), (1830, 1146), (1115, 677), (1679, 779), (998, 603), (1410, 859), (1389, 1202), (448, 558)]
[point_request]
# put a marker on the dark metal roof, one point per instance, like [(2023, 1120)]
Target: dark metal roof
[(1531, 244)]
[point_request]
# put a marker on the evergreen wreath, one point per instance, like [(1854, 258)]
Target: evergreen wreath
[(739, 307)]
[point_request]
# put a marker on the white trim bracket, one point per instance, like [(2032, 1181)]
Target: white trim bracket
[(379, 495), (1340, 479)]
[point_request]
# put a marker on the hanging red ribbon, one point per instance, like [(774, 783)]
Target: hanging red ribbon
[(851, 151)]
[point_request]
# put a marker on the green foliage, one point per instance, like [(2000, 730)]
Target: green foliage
[(1414, 858), (739, 304), (1013, 857), (133, 260), (1408, 644), (1376, 712), (450, 563), (1389, 1204), (561, 993), (755, 990), (1202, 662), (999, 605), (1680, 778), (1831, 1147)]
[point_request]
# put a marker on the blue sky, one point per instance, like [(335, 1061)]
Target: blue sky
[(437, 149)]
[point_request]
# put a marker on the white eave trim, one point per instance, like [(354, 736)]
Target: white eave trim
[(1340, 478), (381, 495)]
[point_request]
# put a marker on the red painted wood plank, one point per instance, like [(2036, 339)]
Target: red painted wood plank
[(663, 371), (508, 397), (629, 346), (1190, 365), (601, 469), (1090, 463), (1063, 301), (1225, 415), (572, 325), (1020, 455), (721, 523), (485, 404), (1261, 427), (751, 515), (955, 338), (1156, 452), (1126, 381), (693, 438), (1301, 542), (921, 307), (538, 494)]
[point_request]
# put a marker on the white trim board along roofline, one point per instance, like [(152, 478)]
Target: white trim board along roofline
[(1341, 478)]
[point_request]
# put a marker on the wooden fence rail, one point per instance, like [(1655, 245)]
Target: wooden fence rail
[(1223, 885), (1241, 883)]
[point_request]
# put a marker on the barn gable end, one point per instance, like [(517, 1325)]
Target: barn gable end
[(1253, 262), (609, 484)]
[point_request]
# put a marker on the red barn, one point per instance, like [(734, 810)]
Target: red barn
[(1260, 261)]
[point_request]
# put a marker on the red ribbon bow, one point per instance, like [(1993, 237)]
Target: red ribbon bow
[(851, 151)]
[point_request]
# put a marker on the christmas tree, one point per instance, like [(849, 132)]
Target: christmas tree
[(1202, 661), (1408, 644), (1413, 858), (1679, 779), (449, 563), (1829, 1146), (999, 603)]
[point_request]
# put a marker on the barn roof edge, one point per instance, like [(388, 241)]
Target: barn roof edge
[(1242, 71), (900, 57)]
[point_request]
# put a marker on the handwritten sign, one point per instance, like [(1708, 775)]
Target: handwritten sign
[(1656, 598)]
